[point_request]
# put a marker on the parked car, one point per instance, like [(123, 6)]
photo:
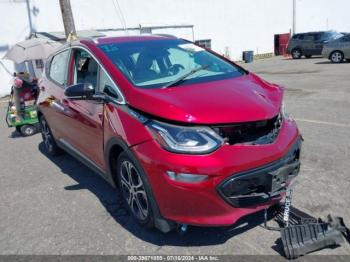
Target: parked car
[(188, 136), (337, 50), (309, 44)]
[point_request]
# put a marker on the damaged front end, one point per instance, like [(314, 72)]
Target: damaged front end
[(264, 183), (255, 133)]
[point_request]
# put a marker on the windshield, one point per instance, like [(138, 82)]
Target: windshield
[(332, 35), (156, 63)]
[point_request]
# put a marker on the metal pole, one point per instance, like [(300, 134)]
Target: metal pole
[(67, 16), (193, 39), (294, 17)]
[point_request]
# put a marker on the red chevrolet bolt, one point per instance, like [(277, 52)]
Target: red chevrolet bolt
[(189, 137)]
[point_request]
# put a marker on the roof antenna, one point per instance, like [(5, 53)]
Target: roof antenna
[(121, 16)]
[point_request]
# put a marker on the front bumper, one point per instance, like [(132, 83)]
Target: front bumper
[(202, 203), (262, 184)]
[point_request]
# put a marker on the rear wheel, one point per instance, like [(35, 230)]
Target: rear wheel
[(27, 130), (48, 139), (296, 53), (135, 190), (337, 57)]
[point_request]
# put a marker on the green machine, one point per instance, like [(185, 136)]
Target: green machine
[(21, 111)]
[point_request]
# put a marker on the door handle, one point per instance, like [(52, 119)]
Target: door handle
[(64, 102)]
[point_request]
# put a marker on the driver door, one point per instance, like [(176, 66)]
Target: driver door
[(84, 126)]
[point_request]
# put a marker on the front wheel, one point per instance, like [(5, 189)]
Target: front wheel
[(337, 57), (135, 190), (48, 139)]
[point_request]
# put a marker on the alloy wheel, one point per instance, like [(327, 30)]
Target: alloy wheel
[(133, 190), (296, 54), (337, 57), (46, 134)]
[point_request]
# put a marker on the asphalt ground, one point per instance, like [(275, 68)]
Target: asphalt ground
[(58, 206)]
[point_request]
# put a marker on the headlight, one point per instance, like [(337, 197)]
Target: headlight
[(183, 139)]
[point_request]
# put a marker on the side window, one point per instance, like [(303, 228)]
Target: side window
[(58, 68), (301, 37), (318, 37), (85, 68), (107, 86), (309, 37)]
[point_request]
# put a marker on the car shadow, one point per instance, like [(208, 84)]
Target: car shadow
[(15, 134), (111, 199), (329, 63), (324, 63)]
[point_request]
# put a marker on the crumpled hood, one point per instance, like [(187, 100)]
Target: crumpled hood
[(242, 99)]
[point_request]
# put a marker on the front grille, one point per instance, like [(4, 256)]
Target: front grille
[(256, 133), (261, 184)]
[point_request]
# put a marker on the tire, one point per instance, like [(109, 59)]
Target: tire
[(48, 138), (336, 57), (135, 190), (296, 53), (308, 56), (28, 130)]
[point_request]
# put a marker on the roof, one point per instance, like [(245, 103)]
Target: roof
[(135, 38)]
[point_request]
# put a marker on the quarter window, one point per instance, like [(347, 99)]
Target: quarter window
[(108, 87), (58, 68)]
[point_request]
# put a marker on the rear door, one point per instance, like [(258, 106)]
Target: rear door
[(309, 47), (319, 42)]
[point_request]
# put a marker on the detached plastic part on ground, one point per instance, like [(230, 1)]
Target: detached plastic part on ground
[(302, 234)]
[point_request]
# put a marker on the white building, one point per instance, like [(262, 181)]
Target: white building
[(232, 26)]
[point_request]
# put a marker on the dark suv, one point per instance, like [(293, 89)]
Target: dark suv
[(309, 44)]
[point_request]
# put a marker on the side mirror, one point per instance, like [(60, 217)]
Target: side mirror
[(84, 91)]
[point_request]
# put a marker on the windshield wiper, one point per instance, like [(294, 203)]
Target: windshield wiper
[(182, 78)]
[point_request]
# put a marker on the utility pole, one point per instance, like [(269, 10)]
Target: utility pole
[(29, 18), (68, 21), (294, 17)]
